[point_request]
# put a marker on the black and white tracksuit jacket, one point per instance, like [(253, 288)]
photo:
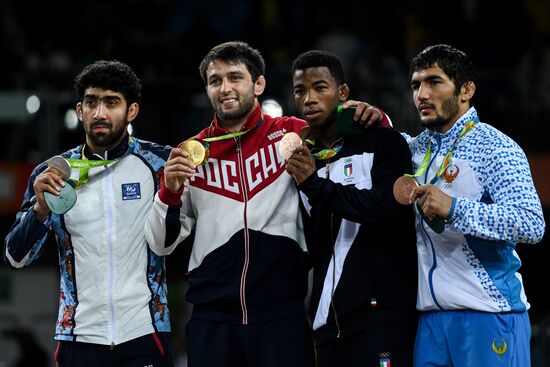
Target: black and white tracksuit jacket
[(361, 240)]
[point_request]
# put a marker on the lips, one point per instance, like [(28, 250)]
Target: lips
[(228, 101), (425, 108), (312, 113), (100, 127)]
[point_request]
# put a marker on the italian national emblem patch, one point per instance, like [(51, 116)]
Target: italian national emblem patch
[(348, 169), (384, 359)]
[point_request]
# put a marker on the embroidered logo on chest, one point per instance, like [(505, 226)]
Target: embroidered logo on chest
[(450, 174), (131, 191)]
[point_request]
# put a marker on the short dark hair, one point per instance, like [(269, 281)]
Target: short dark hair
[(320, 58), (235, 52), (109, 74), (455, 63)]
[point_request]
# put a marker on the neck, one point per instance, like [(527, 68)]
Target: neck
[(100, 150), (327, 134), (233, 126), (448, 125)]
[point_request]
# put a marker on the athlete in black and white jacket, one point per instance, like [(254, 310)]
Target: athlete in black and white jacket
[(361, 240)]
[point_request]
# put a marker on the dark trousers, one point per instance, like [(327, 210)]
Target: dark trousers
[(372, 347), (278, 343), (153, 350)]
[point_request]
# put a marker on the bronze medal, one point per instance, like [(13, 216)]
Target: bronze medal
[(402, 189), (289, 142)]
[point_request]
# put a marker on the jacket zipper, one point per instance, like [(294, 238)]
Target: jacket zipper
[(246, 234), (434, 263), (333, 240), (111, 256)]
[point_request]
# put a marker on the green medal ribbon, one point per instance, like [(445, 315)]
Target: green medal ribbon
[(206, 141), (438, 223), (85, 164), (426, 160)]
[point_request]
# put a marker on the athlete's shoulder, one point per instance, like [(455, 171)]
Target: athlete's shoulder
[(151, 150), (286, 123)]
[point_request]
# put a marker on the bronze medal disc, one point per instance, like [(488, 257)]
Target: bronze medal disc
[(402, 189), (289, 142)]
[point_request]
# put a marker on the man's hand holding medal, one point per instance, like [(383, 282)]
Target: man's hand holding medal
[(432, 203), (182, 162)]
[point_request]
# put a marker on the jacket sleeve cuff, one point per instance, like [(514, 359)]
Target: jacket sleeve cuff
[(452, 215), (386, 121), (170, 198)]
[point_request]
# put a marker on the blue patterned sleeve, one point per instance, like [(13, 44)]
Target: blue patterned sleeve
[(510, 209)]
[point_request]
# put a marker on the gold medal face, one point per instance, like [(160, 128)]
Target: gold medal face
[(196, 150), (289, 142), (402, 189)]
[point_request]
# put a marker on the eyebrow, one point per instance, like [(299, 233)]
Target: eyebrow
[(95, 96)]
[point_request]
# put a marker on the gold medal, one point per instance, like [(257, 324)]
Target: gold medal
[(198, 152), (402, 189)]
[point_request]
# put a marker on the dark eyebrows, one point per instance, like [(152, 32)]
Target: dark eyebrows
[(95, 97)]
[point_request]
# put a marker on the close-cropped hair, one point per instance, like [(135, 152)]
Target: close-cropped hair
[(112, 75), (320, 58), (235, 52), (455, 63)]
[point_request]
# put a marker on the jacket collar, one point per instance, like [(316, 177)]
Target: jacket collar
[(453, 133), (251, 121), (114, 153)]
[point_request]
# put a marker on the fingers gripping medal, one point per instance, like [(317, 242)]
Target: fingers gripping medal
[(402, 189), (62, 203), (289, 142), (198, 150)]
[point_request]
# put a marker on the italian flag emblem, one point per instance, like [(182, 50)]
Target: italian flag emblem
[(348, 170)]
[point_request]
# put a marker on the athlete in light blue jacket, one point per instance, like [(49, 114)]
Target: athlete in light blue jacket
[(474, 202)]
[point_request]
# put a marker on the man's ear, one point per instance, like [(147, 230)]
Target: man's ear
[(467, 92), (133, 111), (259, 86), (343, 92), (79, 111)]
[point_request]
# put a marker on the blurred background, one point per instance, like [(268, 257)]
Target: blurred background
[(43, 45)]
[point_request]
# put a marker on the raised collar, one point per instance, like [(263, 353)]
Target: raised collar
[(251, 122), (453, 133), (115, 153)]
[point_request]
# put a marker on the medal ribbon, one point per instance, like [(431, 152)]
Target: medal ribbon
[(426, 160), (85, 164), (206, 141), (326, 153)]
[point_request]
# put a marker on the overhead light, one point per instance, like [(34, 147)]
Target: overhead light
[(33, 104), (71, 119), (272, 108)]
